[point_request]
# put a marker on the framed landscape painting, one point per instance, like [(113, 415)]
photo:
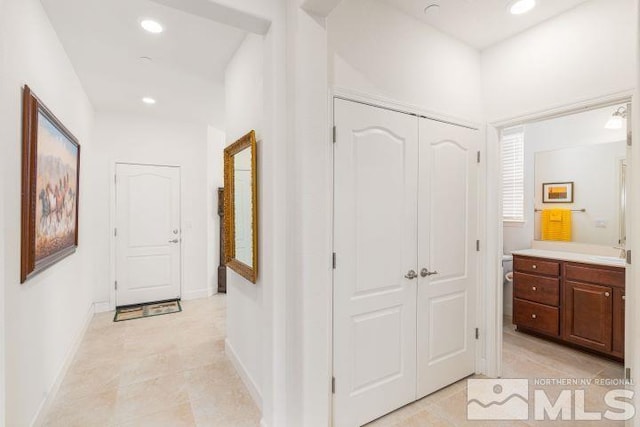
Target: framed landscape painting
[(50, 188), (557, 192)]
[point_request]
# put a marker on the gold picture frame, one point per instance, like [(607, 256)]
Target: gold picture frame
[(246, 265)]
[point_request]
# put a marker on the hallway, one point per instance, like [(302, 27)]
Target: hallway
[(172, 371), (160, 371)]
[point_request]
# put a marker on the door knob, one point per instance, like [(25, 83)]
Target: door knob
[(424, 272), (411, 275), (174, 241), (606, 294)]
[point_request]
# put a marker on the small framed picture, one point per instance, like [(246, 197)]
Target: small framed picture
[(557, 192)]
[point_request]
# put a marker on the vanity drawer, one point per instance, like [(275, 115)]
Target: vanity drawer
[(609, 276), (537, 317), (545, 290), (536, 265)]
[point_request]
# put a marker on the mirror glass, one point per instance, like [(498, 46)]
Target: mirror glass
[(595, 175), (241, 207), (575, 176)]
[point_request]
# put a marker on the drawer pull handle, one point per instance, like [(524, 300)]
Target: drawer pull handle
[(533, 316), (533, 288), (606, 294), (534, 266)]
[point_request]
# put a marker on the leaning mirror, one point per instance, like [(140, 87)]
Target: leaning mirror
[(241, 207)]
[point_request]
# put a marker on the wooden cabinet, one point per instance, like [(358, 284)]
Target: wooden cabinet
[(579, 304), (588, 315), (618, 322)]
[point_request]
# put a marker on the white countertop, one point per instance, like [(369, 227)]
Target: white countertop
[(572, 257)]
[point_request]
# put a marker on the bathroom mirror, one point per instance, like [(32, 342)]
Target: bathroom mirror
[(241, 207), (594, 177)]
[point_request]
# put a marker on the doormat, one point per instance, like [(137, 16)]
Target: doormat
[(139, 311)]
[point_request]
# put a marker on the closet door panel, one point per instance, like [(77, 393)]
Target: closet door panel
[(375, 240), (447, 258)]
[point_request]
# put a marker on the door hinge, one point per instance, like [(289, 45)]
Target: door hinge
[(335, 134), (477, 333), (116, 283), (334, 260), (477, 245), (115, 179), (629, 139), (333, 385), (115, 232), (629, 257), (478, 156), (627, 374)]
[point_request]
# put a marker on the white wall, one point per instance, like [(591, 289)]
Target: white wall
[(585, 53), (2, 239), (245, 112), (44, 316), (565, 132), (129, 139), (375, 48)]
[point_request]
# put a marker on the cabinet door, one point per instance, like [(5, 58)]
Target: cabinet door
[(588, 315), (618, 322)]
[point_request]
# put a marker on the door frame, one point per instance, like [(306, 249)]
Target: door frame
[(481, 296), (112, 226), (495, 247)]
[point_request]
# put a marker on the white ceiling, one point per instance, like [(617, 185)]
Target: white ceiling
[(104, 41), (481, 23)]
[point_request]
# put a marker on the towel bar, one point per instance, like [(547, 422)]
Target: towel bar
[(572, 210)]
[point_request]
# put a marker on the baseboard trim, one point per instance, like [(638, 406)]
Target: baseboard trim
[(246, 378), (197, 294), (45, 405), (102, 307)]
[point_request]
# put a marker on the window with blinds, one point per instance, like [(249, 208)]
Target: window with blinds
[(513, 174)]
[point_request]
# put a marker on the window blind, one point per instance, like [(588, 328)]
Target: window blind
[(513, 174)]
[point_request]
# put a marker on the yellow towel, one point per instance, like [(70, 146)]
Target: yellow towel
[(556, 224)]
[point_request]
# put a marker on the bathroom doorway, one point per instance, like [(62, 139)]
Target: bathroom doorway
[(563, 227)]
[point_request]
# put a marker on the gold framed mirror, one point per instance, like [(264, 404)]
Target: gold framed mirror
[(241, 207)]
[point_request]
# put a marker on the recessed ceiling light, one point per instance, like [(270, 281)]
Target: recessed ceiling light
[(151, 26), (149, 101), (519, 7)]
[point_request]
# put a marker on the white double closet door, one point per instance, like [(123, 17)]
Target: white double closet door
[(405, 231)]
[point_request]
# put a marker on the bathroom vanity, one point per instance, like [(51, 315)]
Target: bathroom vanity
[(572, 298)]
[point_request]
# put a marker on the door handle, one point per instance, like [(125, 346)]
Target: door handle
[(174, 241), (411, 275), (424, 272)]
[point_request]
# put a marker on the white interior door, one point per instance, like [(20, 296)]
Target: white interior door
[(447, 228), (148, 242), (375, 239)]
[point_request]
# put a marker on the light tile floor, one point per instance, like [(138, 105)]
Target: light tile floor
[(171, 371), (163, 371), (524, 356)]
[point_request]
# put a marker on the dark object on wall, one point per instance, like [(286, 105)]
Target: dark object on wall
[(50, 188), (222, 268)]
